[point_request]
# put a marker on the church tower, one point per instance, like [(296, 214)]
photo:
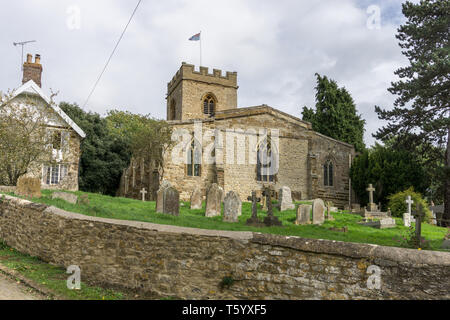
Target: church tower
[(199, 95)]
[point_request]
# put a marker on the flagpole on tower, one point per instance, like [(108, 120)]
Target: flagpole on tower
[(200, 48)]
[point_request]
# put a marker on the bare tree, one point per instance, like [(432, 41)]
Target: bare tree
[(23, 136)]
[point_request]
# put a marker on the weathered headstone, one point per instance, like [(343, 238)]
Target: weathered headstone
[(28, 187), (83, 199), (303, 214), (329, 207), (196, 199), (171, 201), (407, 215), (143, 192), (384, 223), (318, 211), (69, 197), (160, 195), (214, 201), (232, 207), (285, 199)]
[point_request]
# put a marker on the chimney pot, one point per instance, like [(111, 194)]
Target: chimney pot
[(32, 71)]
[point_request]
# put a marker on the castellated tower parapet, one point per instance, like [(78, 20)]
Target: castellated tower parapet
[(189, 89), (187, 72)]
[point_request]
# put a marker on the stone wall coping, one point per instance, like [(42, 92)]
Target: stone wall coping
[(333, 247)]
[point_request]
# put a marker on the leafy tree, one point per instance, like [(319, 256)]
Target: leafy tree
[(335, 114), (421, 113), (389, 171), (397, 203), (148, 138), (23, 137), (103, 154)]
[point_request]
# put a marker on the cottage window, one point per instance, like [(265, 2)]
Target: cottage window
[(53, 174)]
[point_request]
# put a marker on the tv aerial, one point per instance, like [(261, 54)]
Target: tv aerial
[(23, 43)]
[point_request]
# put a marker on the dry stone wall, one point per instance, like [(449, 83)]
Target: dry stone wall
[(190, 263)]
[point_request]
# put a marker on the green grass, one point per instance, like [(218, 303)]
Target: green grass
[(130, 209), (52, 277)]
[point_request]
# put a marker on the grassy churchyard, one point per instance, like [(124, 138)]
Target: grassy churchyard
[(130, 209)]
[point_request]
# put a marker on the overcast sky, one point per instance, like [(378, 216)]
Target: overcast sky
[(275, 46)]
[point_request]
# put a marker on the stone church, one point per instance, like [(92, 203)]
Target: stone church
[(202, 106)]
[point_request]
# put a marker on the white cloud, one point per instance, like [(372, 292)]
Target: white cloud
[(276, 47)]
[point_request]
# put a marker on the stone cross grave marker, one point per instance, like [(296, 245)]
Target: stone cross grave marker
[(407, 215), (232, 207), (418, 214), (270, 220), (372, 205), (253, 220), (143, 192)]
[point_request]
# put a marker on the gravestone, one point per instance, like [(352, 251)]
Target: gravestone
[(303, 214), (253, 220), (270, 220), (329, 216), (69, 197), (196, 199), (407, 215), (371, 206), (214, 200), (160, 194), (232, 207), (419, 215), (437, 211), (143, 192), (285, 199), (385, 223), (318, 208), (356, 207), (28, 187), (83, 200), (171, 201)]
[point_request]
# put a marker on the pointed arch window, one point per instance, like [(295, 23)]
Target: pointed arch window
[(209, 105), (266, 162), (194, 157), (328, 173)]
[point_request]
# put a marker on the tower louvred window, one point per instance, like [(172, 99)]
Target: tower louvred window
[(209, 105)]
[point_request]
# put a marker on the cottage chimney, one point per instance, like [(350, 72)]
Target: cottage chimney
[(32, 70)]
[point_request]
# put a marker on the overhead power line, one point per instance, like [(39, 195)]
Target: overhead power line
[(112, 54)]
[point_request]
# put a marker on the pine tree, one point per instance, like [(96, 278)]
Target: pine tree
[(335, 114), (421, 114)]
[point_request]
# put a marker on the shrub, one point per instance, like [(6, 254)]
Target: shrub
[(397, 203)]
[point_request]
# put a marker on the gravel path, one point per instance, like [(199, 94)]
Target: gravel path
[(11, 290)]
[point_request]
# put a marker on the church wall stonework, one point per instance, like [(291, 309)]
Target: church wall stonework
[(323, 148)]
